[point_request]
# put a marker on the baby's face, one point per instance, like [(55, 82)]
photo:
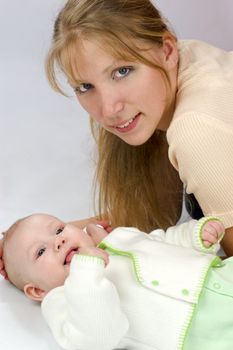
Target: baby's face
[(43, 246)]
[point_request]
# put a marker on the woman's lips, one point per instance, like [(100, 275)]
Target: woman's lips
[(129, 125)]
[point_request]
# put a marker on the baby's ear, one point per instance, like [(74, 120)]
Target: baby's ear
[(33, 292)]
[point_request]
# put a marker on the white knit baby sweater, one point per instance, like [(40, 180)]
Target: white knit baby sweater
[(144, 298)]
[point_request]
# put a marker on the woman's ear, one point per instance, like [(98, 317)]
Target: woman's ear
[(33, 292), (170, 52)]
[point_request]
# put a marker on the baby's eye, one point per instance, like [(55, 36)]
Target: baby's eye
[(59, 230), (122, 72), (40, 252), (82, 88)]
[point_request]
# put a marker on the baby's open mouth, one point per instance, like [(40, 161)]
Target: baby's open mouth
[(70, 255)]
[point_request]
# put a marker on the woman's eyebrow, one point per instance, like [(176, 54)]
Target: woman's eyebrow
[(111, 66), (75, 82), (116, 63)]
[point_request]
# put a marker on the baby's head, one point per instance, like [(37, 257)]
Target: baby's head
[(37, 251)]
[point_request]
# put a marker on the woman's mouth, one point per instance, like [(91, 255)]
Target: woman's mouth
[(129, 125)]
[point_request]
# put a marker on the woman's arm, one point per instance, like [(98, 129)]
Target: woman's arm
[(201, 150), (227, 242), (2, 270), (92, 220)]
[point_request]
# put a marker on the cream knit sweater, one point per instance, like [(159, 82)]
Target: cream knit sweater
[(200, 135)]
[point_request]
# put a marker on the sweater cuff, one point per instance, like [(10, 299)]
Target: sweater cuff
[(86, 266), (198, 242)]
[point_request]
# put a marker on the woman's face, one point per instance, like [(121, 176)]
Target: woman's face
[(128, 99)]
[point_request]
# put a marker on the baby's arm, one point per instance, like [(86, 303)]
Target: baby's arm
[(86, 313), (203, 235)]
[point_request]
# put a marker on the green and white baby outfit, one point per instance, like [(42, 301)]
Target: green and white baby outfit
[(160, 291)]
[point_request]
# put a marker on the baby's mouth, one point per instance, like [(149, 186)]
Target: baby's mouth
[(70, 255)]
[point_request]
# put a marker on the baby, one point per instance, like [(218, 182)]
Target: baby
[(126, 289)]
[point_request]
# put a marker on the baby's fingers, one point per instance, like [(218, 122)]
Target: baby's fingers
[(216, 228), (212, 232), (95, 252)]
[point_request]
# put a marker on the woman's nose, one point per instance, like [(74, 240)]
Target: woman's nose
[(111, 104), (59, 241), (111, 110)]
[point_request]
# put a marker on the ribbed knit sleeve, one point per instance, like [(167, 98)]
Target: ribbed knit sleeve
[(85, 313), (201, 149), (200, 135), (187, 235)]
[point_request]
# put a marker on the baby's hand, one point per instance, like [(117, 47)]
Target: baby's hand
[(94, 251), (212, 232)]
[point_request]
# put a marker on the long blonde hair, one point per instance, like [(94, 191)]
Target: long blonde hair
[(136, 185)]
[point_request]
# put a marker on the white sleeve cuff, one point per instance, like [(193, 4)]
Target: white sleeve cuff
[(198, 242)]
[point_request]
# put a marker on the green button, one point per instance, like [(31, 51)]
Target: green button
[(155, 283), (185, 291), (217, 285)]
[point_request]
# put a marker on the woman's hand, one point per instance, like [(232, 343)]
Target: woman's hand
[(2, 269), (83, 223), (96, 233)]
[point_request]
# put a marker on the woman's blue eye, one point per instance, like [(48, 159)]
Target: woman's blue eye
[(82, 88), (122, 72), (59, 230), (40, 252)]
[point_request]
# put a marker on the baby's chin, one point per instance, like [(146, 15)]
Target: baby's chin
[(60, 282)]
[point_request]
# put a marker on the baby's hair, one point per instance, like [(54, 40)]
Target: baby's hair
[(15, 277), (11, 230)]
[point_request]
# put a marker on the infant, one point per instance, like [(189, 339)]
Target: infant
[(126, 289)]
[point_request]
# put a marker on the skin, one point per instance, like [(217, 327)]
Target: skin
[(91, 222), (41, 249), (41, 245), (227, 242), (107, 89)]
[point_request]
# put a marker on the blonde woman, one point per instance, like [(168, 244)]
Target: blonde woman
[(161, 112)]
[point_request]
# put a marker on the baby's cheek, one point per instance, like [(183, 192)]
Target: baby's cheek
[(59, 277)]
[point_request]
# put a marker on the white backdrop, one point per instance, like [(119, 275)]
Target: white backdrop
[(44, 137), (45, 145)]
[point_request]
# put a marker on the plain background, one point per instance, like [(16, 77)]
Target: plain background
[(46, 152)]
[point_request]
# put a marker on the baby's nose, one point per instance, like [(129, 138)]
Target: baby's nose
[(59, 241)]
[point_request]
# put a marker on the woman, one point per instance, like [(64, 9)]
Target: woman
[(161, 111)]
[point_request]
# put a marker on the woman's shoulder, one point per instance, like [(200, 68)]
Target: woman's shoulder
[(204, 86), (197, 49), (200, 61)]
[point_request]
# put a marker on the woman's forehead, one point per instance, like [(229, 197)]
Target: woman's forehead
[(87, 53)]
